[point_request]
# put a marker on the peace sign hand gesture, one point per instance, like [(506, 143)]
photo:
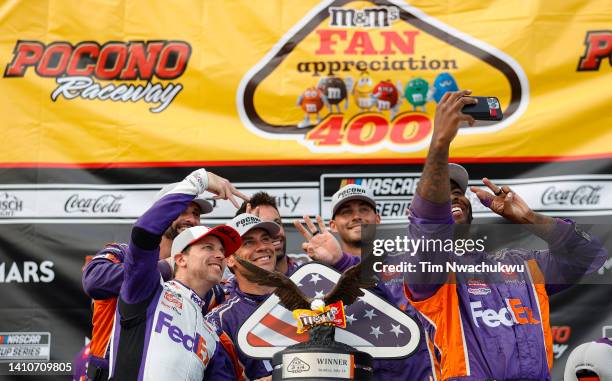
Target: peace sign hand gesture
[(224, 190), (504, 202)]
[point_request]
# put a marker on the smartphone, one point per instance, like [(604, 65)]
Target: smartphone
[(487, 108)]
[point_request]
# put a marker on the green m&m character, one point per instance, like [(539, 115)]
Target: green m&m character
[(416, 93)]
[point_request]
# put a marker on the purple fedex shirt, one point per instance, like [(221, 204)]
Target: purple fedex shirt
[(159, 332), (498, 330)]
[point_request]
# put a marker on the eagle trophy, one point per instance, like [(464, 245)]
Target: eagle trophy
[(347, 290)]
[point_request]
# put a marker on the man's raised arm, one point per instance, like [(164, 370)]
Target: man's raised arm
[(141, 273), (434, 185), (103, 275), (140, 267), (430, 211), (572, 252)]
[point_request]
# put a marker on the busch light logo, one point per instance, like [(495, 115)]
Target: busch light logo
[(9, 204), (106, 203)]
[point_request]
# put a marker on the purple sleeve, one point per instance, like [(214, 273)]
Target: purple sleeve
[(141, 275), (160, 216), (346, 261), (103, 275), (79, 364), (422, 213), (164, 269), (102, 278), (572, 254)]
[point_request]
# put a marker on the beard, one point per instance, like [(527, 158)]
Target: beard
[(175, 229), (280, 254), (348, 239), (353, 242), (171, 233)]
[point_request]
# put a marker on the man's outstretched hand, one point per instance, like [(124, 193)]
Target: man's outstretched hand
[(449, 116), (320, 245), (224, 190), (434, 185), (504, 202)]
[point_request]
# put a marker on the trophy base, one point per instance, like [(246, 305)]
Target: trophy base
[(332, 361)]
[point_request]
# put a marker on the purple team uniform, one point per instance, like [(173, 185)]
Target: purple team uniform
[(159, 331), (497, 330)]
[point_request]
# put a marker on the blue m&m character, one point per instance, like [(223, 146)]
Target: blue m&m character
[(443, 83)]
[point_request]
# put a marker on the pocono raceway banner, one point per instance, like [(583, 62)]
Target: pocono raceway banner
[(105, 102)]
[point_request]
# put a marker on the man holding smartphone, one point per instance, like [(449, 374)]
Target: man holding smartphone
[(502, 334)]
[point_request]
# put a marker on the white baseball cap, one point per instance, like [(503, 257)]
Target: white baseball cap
[(352, 192), (205, 205), (459, 175), (230, 239), (246, 222), (590, 361)]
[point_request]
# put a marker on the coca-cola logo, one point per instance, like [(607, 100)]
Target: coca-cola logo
[(9, 204), (106, 203), (582, 195)]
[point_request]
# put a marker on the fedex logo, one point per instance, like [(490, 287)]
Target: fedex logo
[(513, 313), (196, 345)]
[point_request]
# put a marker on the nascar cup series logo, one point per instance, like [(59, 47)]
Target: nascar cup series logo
[(83, 70), (360, 76), (393, 192)]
